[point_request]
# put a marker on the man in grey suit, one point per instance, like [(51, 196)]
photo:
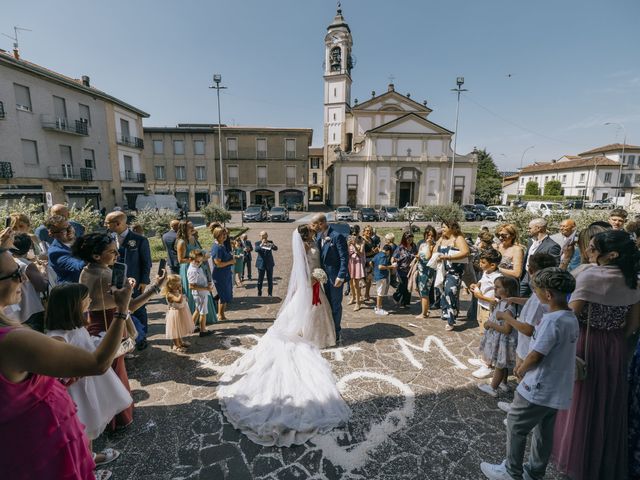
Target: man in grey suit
[(540, 242), (169, 241)]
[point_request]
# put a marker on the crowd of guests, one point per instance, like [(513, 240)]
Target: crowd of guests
[(65, 329)]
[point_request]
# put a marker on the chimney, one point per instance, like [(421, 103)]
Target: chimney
[(86, 81), (391, 88), (373, 93), (16, 53)]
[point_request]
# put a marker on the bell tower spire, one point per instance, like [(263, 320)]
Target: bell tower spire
[(338, 64)]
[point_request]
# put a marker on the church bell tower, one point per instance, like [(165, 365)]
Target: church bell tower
[(338, 63)]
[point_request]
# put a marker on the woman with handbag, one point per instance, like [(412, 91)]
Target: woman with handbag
[(99, 251), (590, 440)]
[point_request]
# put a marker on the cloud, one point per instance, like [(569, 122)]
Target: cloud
[(598, 120)]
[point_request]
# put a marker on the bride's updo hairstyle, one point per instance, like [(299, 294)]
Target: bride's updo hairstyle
[(305, 233)]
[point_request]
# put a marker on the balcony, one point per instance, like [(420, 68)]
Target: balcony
[(127, 141), (6, 171), (64, 125), (2, 112), (291, 182), (233, 181), (262, 182), (132, 177), (67, 172)]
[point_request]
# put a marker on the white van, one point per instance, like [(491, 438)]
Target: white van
[(544, 209), (152, 202)]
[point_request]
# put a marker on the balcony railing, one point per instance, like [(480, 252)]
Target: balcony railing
[(291, 182), (134, 142), (67, 172), (133, 177), (233, 181), (59, 124), (2, 112), (262, 182), (6, 171)]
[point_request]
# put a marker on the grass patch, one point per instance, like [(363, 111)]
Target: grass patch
[(204, 235)]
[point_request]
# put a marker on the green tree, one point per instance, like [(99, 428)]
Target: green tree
[(488, 181), (532, 188), (215, 213), (553, 187)]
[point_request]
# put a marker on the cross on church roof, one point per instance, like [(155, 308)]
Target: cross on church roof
[(391, 78)]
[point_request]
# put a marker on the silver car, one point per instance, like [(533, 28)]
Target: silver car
[(344, 214)]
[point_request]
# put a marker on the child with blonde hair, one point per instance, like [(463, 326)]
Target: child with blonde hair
[(178, 321), (201, 287)]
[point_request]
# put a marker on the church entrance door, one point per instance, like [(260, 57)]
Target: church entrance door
[(406, 194), (352, 197)]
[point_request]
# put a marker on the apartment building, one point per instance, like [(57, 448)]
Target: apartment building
[(260, 165), (316, 176), (62, 140)]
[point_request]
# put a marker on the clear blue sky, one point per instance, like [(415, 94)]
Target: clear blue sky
[(574, 64)]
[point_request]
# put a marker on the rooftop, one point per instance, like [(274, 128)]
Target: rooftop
[(10, 61), (613, 147), (571, 164)]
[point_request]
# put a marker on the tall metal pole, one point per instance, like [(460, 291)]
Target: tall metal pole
[(521, 159), (217, 78), (624, 144), (458, 90)]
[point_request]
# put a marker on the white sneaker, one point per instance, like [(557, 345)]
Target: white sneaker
[(483, 372), (449, 328), (488, 389), (382, 312), (495, 472), (504, 406), (476, 362), (504, 387)]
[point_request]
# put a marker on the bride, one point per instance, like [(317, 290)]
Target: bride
[(282, 392)]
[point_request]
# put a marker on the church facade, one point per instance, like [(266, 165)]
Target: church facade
[(384, 151)]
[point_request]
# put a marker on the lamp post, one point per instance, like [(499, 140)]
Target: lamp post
[(521, 160), (217, 78), (458, 90), (624, 144)]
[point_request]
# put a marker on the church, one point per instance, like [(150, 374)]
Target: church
[(384, 151)]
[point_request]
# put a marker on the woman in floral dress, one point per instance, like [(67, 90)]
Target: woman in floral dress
[(426, 274)]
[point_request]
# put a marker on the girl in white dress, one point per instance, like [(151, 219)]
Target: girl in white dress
[(98, 398), (178, 322), (282, 392)]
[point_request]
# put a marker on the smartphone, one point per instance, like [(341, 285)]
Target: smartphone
[(162, 265), (119, 274), (7, 222)]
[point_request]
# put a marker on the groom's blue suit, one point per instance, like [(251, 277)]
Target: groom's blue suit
[(334, 257)]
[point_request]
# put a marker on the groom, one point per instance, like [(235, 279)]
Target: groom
[(334, 257)]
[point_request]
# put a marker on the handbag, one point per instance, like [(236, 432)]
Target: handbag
[(581, 363)]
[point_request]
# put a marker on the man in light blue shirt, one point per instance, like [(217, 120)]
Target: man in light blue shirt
[(547, 376)]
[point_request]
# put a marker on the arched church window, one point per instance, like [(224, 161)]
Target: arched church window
[(335, 59)]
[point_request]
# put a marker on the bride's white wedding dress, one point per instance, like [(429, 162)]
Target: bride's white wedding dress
[(282, 392)]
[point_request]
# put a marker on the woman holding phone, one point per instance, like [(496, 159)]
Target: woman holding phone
[(99, 251)]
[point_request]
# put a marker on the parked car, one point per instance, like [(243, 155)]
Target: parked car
[(344, 214), (501, 211), (599, 204), (415, 214), (470, 214), (574, 204), (278, 214), (368, 214), (389, 214), (255, 213), (485, 213), (544, 209)]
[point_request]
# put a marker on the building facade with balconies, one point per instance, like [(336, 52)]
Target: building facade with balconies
[(55, 136), (316, 176), (261, 165)]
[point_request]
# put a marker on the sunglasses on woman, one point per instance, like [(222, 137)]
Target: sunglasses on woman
[(17, 275), (503, 235)]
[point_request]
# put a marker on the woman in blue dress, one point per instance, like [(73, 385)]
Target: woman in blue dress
[(223, 261), (454, 253), (185, 242)]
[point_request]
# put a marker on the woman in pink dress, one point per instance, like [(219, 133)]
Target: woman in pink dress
[(41, 434), (590, 439), (357, 259)]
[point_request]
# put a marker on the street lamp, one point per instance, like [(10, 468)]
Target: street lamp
[(458, 90), (624, 144), (521, 160), (217, 78)]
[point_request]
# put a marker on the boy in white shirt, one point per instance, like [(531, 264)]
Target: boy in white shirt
[(201, 287), (547, 375)]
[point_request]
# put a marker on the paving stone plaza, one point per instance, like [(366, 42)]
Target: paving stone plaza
[(416, 410)]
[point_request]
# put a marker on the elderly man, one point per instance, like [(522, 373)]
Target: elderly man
[(134, 251), (539, 242), (569, 254), (66, 267), (264, 263), (169, 242), (62, 210)]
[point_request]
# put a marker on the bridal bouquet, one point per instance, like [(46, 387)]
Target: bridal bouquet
[(320, 275)]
